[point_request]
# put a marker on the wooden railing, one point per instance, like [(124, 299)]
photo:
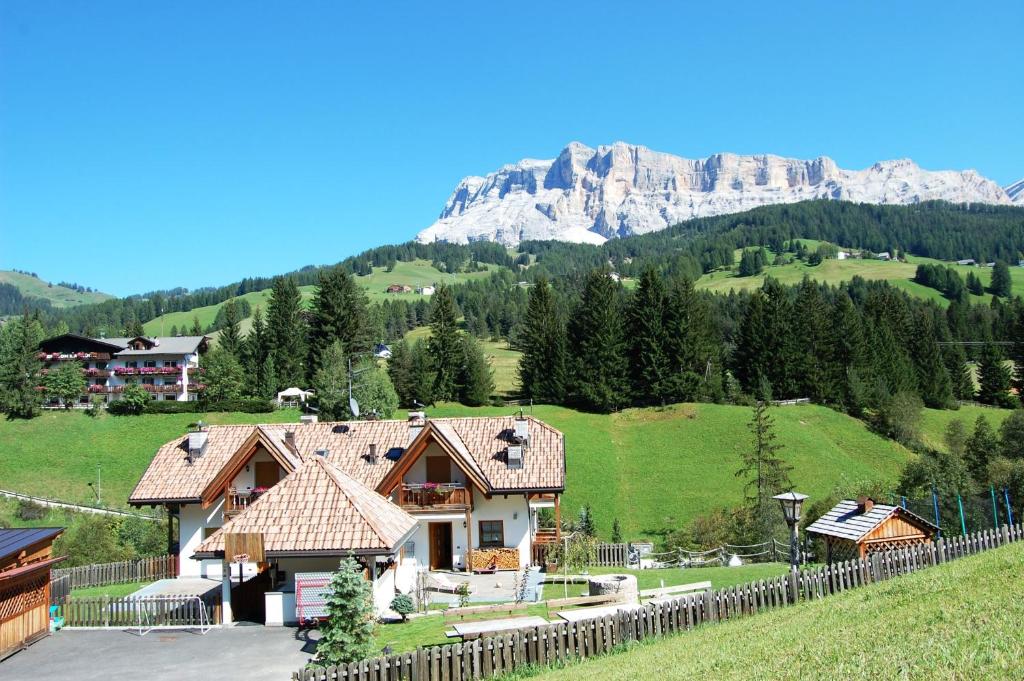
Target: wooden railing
[(561, 642), (429, 496)]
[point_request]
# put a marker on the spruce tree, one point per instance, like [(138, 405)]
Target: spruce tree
[(476, 382), (257, 359), (133, 328), (847, 354), (933, 381), (765, 472), (445, 348), (648, 339), (994, 378), (811, 337), (20, 369), (286, 333), (339, 313), (691, 345), (330, 383), (542, 341), (974, 284), (597, 341), (347, 633), (197, 328), (421, 377), (230, 337), (1002, 284), (400, 372)]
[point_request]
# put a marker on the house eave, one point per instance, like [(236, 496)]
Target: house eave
[(164, 501)]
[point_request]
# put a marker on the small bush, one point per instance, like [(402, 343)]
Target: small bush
[(28, 510), (402, 604), (170, 407)]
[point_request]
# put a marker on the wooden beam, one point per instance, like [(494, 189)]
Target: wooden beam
[(469, 538), (558, 517)]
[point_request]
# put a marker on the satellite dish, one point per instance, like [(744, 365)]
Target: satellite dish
[(353, 406)]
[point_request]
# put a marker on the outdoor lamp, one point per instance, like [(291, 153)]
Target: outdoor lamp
[(792, 503)]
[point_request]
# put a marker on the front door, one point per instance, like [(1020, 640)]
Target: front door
[(439, 469), (440, 546), (267, 474)]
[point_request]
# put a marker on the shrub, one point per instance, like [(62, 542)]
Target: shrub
[(402, 604), (347, 634), (169, 407), (28, 510)]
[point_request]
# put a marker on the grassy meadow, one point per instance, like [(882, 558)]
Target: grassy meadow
[(935, 421), (414, 273), (55, 455), (657, 468), (959, 620), (59, 296), (504, 361)]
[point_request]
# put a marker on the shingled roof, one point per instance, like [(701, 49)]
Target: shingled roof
[(847, 521), (481, 443), (318, 510)]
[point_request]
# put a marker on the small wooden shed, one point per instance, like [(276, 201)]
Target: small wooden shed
[(26, 555), (855, 529)]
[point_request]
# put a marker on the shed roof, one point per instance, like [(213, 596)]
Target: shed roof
[(319, 509), (846, 521), (14, 540)]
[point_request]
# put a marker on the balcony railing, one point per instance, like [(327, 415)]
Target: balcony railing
[(430, 496), (147, 371), (72, 356)]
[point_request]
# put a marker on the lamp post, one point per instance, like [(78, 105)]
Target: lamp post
[(792, 504)]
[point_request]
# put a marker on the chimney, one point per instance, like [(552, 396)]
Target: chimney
[(289, 438), (865, 504), (372, 458), (417, 420)]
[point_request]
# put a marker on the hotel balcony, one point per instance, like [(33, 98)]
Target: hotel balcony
[(433, 497)]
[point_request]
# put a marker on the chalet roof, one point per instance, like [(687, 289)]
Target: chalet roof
[(80, 343), (845, 521), (163, 345), (319, 509), (14, 540), (481, 443)]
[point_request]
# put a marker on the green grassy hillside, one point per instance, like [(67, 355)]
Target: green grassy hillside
[(651, 468), (415, 273), (935, 421), (59, 296), (955, 621), (898, 274), (655, 468), (503, 360), (55, 455)]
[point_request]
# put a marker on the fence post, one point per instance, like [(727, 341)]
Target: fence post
[(794, 591), (1005, 533)]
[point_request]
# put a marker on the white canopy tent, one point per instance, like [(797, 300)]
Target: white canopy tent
[(293, 395)]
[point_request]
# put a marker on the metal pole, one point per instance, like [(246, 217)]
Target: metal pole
[(793, 557), (963, 525), (1009, 510), (99, 485), (995, 507), (935, 505)]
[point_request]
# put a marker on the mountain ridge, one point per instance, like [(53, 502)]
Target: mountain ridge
[(590, 195)]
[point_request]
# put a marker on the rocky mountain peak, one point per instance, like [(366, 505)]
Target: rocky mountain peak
[(590, 195)]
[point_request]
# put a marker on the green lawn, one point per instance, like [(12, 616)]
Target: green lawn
[(59, 296), (112, 590), (658, 468), (935, 421), (55, 455), (960, 620)]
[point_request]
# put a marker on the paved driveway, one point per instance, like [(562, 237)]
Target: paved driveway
[(249, 653)]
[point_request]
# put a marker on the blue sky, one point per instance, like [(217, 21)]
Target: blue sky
[(152, 145)]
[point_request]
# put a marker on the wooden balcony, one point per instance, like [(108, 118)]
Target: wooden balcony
[(434, 497)]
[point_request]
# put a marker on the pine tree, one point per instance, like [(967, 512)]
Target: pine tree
[(444, 345), (230, 338), (847, 353), (766, 473), (400, 372), (994, 378), (766, 348), (421, 377), (133, 328), (476, 381), (286, 333), (933, 381), (542, 366), (811, 337), (585, 522), (981, 447), (616, 532), (974, 284), (347, 634), (19, 367), (648, 339), (197, 328), (174, 330), (1001, 284), (339, 313), (691, 345), (597, 339), (257, 359)]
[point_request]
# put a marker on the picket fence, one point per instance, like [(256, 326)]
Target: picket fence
[(611, 555), (102, 574), (563, 641), (152, 611)]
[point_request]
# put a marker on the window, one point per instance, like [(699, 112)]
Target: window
[(150, 363), (492, 534), (171, 363), (148, 381), (132, 365)]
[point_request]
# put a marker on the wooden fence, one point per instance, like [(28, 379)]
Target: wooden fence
[(562, 641), (102, 574), (612, 555), (149, 611)]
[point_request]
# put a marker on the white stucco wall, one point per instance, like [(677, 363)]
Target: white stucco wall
[(514, 512), (193, 519)]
